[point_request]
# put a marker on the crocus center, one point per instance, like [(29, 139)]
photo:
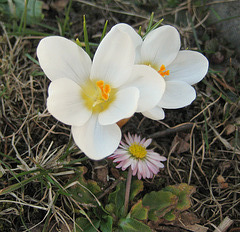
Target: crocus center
[(162, 71), (105, 89), (96, 95), (138, 151)]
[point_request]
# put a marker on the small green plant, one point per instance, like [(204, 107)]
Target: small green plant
[(169, 202), (166, 204), (20, 13)]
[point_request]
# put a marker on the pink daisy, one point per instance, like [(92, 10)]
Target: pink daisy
[(144, 162)]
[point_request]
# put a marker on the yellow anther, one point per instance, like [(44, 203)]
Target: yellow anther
[(105, 89), (162, 71)]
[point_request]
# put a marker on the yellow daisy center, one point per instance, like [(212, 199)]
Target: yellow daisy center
[(138, 151), (97, 95)]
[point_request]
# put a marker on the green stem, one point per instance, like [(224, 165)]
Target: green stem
[(127, 193)]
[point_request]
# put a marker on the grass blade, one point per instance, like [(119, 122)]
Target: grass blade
[(150, 22), (86, 36), (104, 30), (16, 186)]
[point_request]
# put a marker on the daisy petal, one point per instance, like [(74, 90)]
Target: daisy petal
[(124, 106), (121, 158), (62, 58), (189, 66), (150, 84), (161, 46), (155, 113), (155, 162), (134, 164), (126, 164), (65, 103), (135, 169), (152, 167), (147, 142), (177, 94), (156, 156), (114, 58), (95, 140)]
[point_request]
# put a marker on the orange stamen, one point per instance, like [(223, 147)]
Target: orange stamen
[(162, 71), (105, 89)]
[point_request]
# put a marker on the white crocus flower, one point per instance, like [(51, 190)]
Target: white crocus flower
[(93, 96), (180, 69)]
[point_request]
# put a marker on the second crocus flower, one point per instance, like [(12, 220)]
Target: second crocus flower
[(160, 50)]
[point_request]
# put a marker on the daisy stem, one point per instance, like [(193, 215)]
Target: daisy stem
[(127, 193)]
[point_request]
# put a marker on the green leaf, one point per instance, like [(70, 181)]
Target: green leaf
[(86, 226), (152, 215), (84, 190), (106, 223), (159, 200), (110, 208), (136, 187), (117, 198), (183, 192), (138, 211), (170, 216), (132, 225), (159, 203)]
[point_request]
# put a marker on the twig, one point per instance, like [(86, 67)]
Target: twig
[(224, 225), (181, 127), (189, 7)]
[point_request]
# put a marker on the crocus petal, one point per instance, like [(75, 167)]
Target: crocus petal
[(95, 140), (150, 84), (189, 66), (161, 46), (124, 106), (135, 37), (62, 58), (65, 103), (155, 113), (114, 58), (177, 94)]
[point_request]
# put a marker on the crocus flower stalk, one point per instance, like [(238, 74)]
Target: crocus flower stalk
[(160, 50), (133, 153), (92, 96)]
